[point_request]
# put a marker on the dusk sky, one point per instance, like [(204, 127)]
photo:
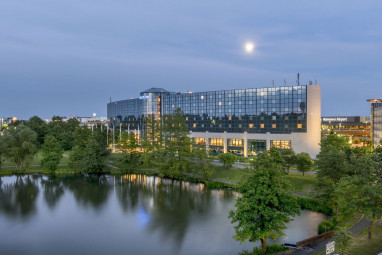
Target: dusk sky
[(69, 57)]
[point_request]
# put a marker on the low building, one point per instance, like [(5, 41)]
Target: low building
[(355, 128)]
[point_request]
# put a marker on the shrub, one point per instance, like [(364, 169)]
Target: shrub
[(228, 159), (314, 205), (325, 226)]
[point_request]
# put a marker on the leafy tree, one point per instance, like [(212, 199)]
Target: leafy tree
[(129, 146), (174, 158), (265, 206), (91, 156), (2, 150), (19, 145), (276, 156), (201, 163), (63, 131), (304, 162), (81, 136), (343, 239), (228, 159), (39, 126), (51, 153), (289, 157)]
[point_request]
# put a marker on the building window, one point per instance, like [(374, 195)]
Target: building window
[(250, 125), (220, 103), (299, 125), (281, 144), (216, 142), (261, 125), (273, 125), (230, 118), (202, 97)]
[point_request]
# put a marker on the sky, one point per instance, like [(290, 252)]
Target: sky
[(70, 57)]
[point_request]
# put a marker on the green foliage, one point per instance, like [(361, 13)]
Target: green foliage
[(63, 131), (91, 157), (201, 164), (2, 150), (129, 145), (51, 153), (304, 162), (19, 145), (270, 250), (265, 206), (289, 157), (314, 205), (39, 126), (343, 239), (326, 226), (228, 159)]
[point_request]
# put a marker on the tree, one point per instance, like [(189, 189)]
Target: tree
[(63, 131), (304, 162), (19, 145), (174, 158), (2, 150), (39, 126), (228, 159), (343, 239), (90, 157), (201, 163), (289, 157), (265, 205), (129, 146), (51, 153)]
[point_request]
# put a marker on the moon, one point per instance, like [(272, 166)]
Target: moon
[(249, 47)]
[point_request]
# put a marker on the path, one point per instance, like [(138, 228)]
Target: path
[(310, 249)]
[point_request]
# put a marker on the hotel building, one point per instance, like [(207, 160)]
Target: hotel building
[(241, 121)]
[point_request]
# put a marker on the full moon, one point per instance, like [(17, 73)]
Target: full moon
[(249, 47)]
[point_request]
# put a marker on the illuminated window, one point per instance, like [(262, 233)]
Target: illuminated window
[(299, 125), (202, 97), (261, 125), (216, 142), (229, 118), (273, 125), (194, 125), (281, 144), (220, 103), (186, 118), (250, 125)]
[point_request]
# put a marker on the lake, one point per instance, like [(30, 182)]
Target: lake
[(124, 214)]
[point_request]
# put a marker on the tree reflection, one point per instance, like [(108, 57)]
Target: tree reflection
[(18, 199), (168, 203), (53, 190), (88, 190)]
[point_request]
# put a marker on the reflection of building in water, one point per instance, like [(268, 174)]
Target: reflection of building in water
[(376, 120), (355, 128), (241, 121)]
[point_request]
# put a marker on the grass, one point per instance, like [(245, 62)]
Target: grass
[(231, 174), (303, 184)]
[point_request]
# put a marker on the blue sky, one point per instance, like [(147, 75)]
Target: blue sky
[(69, 57)]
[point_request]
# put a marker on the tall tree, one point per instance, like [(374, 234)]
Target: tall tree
[(51, 153), (289, 157), (19, 145), (39, 126), (63, 131), (343, 239), (265, 206)]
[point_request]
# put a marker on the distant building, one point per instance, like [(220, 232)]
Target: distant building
[(352, 127), (376, 120)]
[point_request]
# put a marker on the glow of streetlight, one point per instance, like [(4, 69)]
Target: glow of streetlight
[(249, 47)]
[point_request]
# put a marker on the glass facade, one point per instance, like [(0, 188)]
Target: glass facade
[(281, 144), (275, 110), (377, 123), (256, 146)]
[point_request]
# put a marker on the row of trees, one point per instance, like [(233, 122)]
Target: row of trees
[(20, 143), (350, 178)]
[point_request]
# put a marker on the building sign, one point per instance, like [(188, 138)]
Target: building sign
[(144, 97), (330, 248), (335, 119)]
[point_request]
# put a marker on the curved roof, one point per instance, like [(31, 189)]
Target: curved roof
[(155, 90)]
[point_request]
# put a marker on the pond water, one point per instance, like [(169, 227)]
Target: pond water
[(125, 214)]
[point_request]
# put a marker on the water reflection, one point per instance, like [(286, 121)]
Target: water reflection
[(147, 214), (18, 198)]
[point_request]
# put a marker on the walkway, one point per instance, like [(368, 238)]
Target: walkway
[(310, 249)]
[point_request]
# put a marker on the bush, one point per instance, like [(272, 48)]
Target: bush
[(214, 185), (270, 249), (326, 226), (228, 159), (314, 205)]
